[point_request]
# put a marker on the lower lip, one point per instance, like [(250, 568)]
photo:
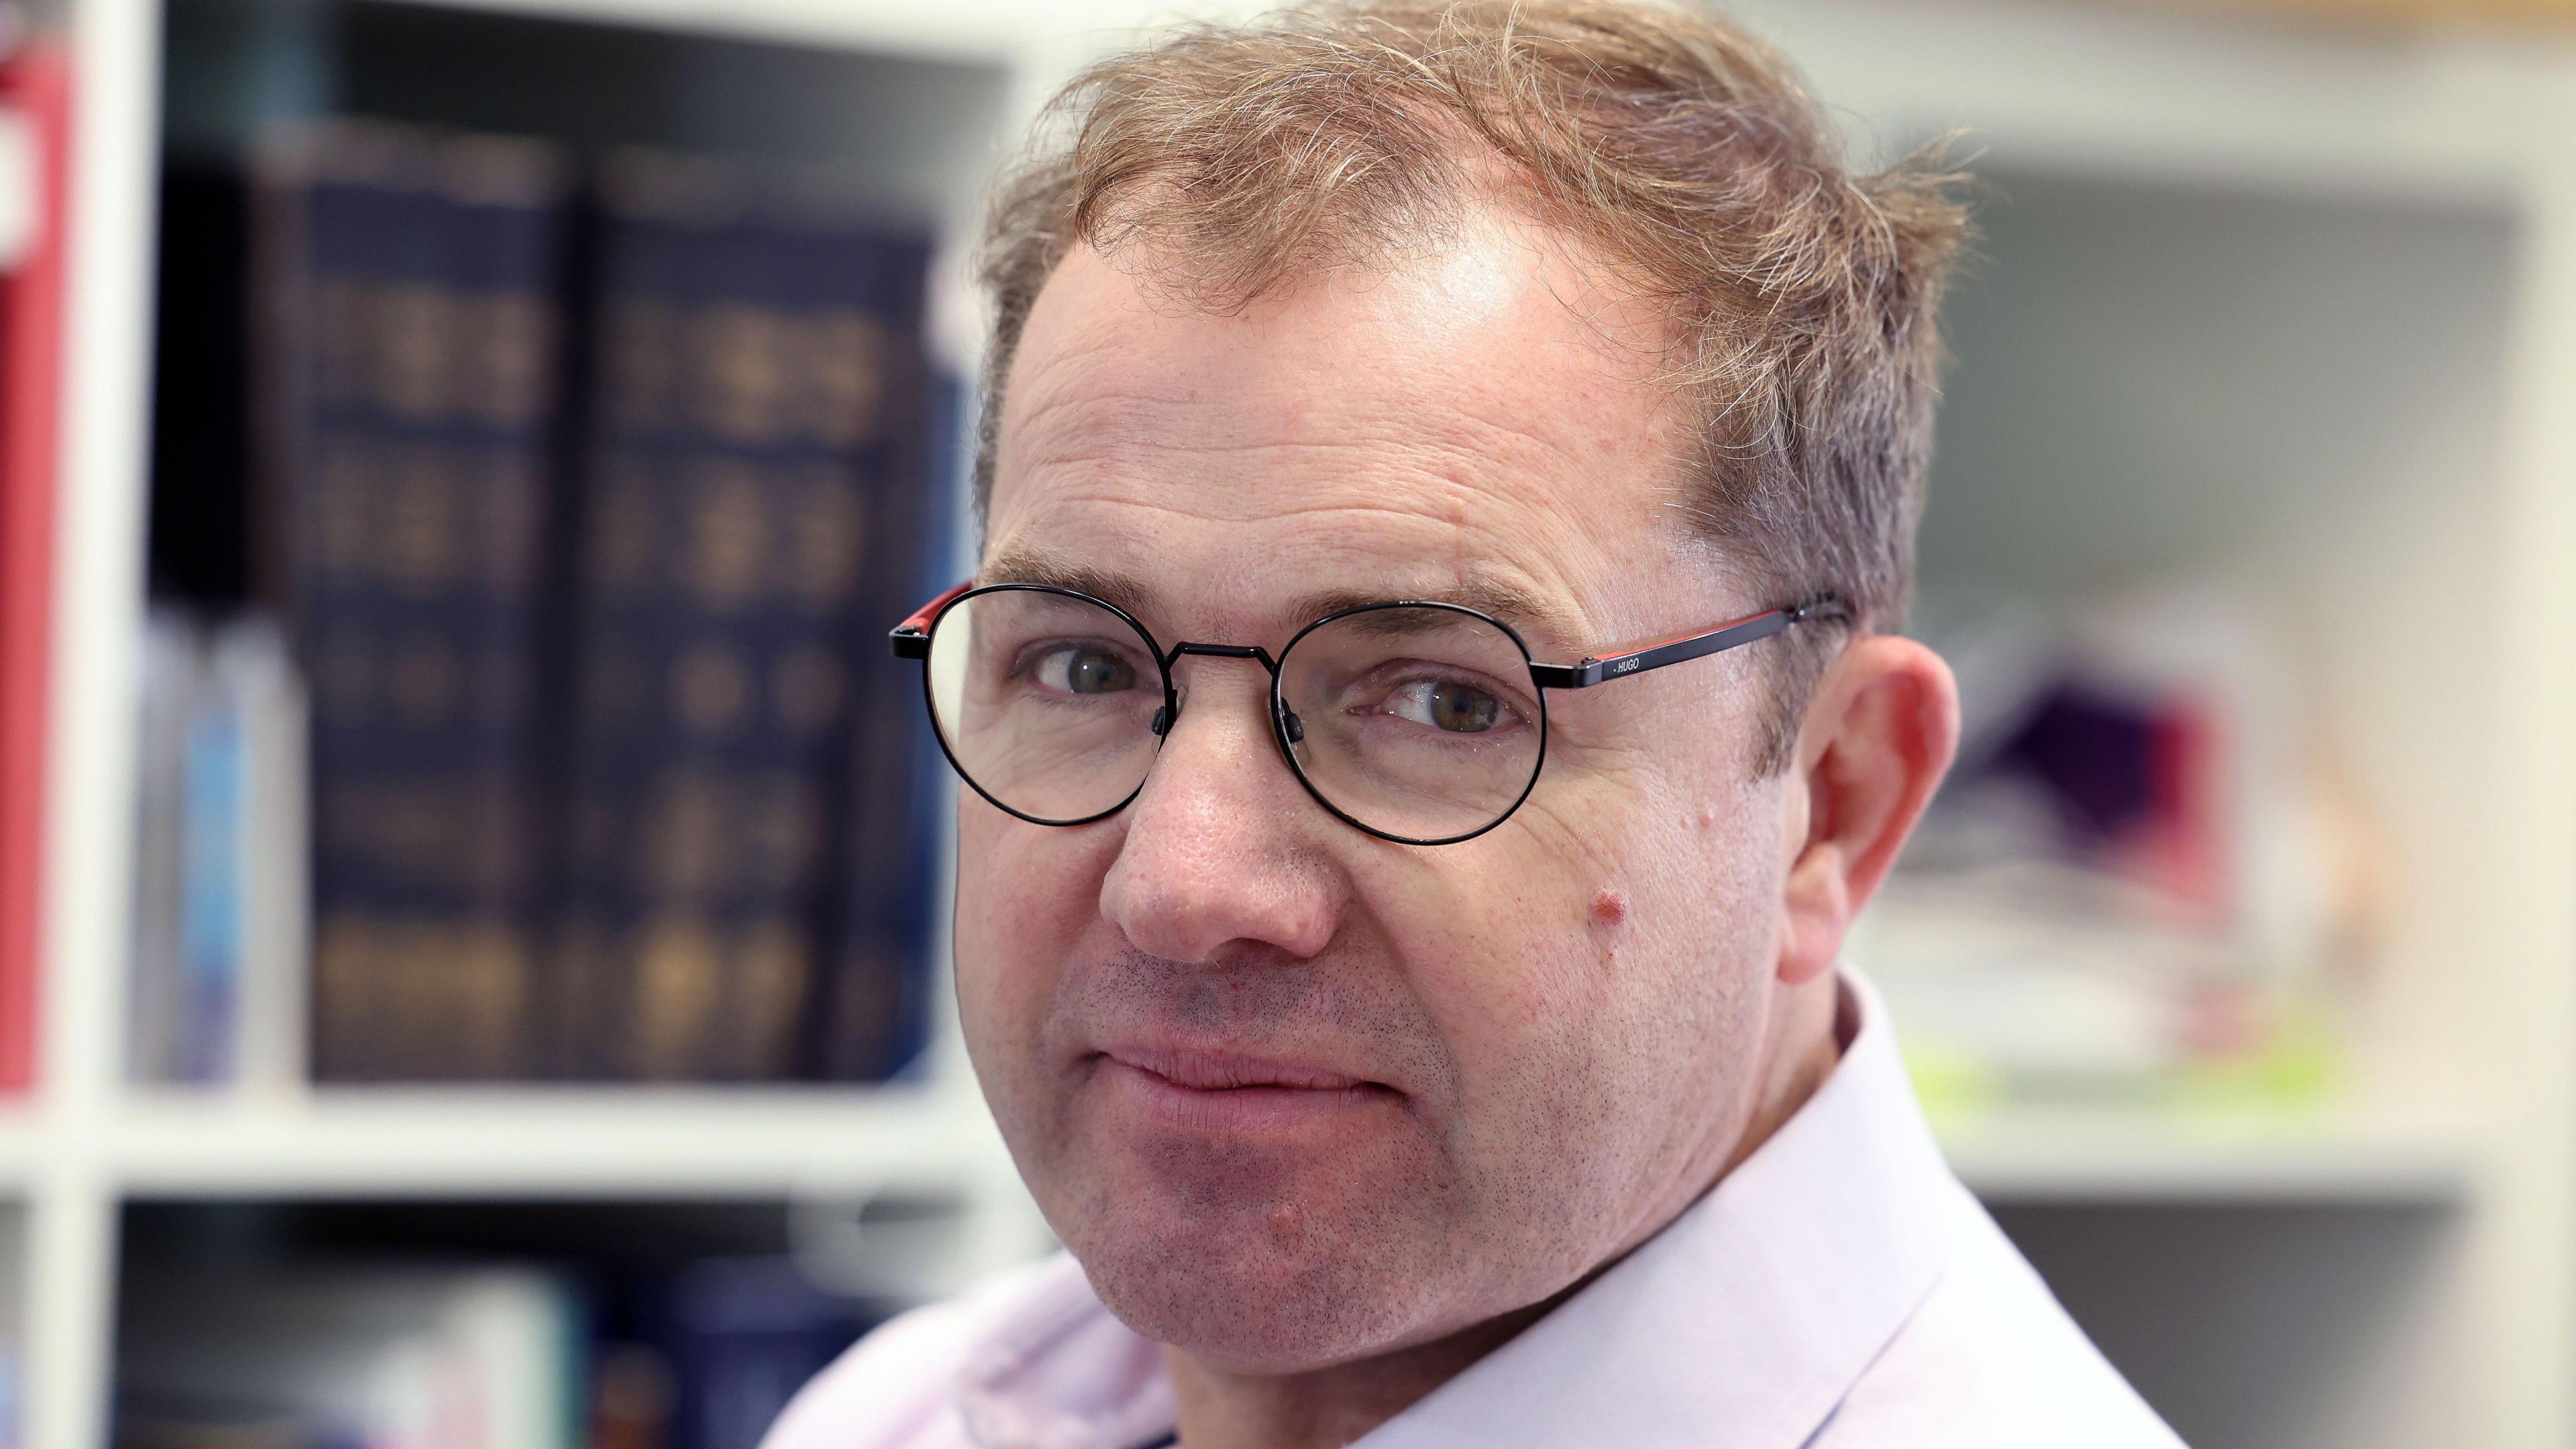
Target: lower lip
[(1237, 1111)]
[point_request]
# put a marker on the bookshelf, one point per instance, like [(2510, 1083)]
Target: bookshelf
[(2177, 359), (2426, 1218)]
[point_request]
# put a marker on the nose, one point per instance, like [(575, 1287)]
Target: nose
[(1222, 851)]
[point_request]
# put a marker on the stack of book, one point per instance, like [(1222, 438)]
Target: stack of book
[(585, 491), (2147, 879)]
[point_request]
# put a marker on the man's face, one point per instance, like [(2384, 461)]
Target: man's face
[(1473, 1071)]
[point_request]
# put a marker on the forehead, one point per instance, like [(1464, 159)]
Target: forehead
[(1480, 416)]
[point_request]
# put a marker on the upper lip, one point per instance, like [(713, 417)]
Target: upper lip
[(1221, 1070)]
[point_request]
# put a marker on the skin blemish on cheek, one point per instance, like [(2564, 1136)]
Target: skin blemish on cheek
[(1286, 1220), (1609, 906)]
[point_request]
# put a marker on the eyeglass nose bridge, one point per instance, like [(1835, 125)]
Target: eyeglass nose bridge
[(1292, 730), (1223, 651)]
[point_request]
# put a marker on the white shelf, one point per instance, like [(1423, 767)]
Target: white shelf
[(21, 1148), (786, 1143), (602, 1142), (2107, 1157)]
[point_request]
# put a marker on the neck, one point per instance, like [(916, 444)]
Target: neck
[(1329, 1407)]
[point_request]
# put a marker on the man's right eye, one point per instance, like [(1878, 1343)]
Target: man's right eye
[(1084, 669)]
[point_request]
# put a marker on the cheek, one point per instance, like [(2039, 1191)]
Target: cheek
[(1529, 980), (1590, 978), (1026, 897)]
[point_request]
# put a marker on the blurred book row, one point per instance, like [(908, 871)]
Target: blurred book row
[(463, 1355), (2148, 879), (554, 744)]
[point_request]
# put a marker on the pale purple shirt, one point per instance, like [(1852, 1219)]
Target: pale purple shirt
[(1840, 1289)]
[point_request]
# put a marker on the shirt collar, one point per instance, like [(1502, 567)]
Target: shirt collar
[(1756, 1309), (1060, 1373)]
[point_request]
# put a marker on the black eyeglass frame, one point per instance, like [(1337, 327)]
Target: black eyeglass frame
[(911, 639)]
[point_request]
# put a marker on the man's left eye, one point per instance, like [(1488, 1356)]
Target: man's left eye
[(1448, 704)]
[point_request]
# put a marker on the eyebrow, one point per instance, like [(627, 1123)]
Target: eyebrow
[(1526, 612), (1024, 565)]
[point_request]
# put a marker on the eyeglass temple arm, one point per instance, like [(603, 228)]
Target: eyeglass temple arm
[(1725, 636), (911, 638)]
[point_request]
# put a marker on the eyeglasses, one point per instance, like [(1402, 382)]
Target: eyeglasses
[(1421, 723)]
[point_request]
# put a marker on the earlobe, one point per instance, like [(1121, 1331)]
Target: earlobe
[(1879, 735), (1818, 901)]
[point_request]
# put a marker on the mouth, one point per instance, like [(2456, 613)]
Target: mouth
[(1233, 1094)]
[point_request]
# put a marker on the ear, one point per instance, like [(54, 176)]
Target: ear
[(1879, 735)]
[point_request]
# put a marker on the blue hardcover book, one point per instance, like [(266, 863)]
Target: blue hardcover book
[(752, 506), (409, 293), (743, 1335), (876, 1017)]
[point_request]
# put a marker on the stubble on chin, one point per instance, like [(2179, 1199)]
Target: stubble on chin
[(1264, 1286), (1275, 1256)]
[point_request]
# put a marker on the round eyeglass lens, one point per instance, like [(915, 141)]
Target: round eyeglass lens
[(1045, 701), (1417, 721)]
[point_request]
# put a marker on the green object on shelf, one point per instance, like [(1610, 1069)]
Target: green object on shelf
[(2297, 1068)]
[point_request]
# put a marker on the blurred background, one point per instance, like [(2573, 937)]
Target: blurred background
[(472, 885)]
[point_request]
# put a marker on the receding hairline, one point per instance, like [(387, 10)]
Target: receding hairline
[(1657, 133)]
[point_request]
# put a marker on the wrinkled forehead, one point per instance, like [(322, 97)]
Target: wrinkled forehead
[(1483, 420)]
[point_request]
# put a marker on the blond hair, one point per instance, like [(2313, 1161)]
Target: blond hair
[(1678, 150)]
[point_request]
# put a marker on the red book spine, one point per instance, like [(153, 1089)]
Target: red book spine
[(35, 84)]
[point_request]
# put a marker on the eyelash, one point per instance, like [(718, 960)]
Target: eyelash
[(1425, 673)]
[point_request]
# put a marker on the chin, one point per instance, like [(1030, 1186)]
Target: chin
[(1248, 1306), (1248, 1281)]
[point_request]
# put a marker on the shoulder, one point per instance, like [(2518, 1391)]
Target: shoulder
[(894, 1389), (1990, 1360)]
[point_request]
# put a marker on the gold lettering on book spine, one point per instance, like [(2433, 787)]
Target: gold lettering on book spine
[(344, 673), (344, 509), (729, 552), (711, 690), (342, 318), (690, 837), (415, 331), (421, 490), (508, 360), (820, 564), (846, 356), (486, 984), (772, 975), (495, 850), (677, 987), (739, 388), (808, 688), (642, 351), (783, 830), (509, 490), (349, 1007), (423, 680)]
